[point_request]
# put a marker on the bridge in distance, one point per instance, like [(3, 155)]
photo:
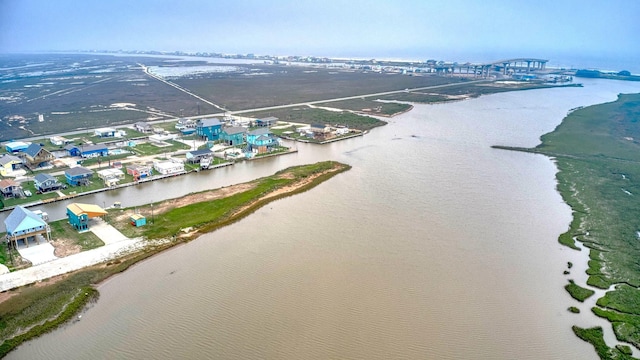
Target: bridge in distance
[(505, 66)]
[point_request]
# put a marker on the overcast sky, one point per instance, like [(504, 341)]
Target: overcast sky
[(350, 28)]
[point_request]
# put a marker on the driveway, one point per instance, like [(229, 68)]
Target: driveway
[(105, 232), (37, 254)]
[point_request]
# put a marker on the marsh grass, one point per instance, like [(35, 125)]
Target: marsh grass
[(577, 292), (597, 152)]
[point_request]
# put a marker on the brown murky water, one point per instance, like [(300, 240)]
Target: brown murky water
[(434, 246)]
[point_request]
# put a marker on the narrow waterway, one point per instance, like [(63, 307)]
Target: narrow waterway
[(434, 246)]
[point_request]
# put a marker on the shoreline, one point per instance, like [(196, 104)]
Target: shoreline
[(595, 160), (294, 180), (134, 259)]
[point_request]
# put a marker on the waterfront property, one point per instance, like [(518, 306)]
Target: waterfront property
[(78, 176), (209, 128), (196, 155), (320, 129), (9, 164), (166, 167), (45, 183), (9, 188), (261, 140), (23, 224), (37, 156), (233, 135), (79, 215), (16, 146), (139, 171), (111, 176)]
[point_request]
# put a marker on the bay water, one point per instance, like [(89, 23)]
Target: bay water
[(433, 246)]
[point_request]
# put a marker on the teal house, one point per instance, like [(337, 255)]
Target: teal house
[(209, 128), (233, 135), (79, 215), (261, 140)]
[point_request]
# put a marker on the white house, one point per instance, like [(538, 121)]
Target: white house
[(111, 176), (171, 166)]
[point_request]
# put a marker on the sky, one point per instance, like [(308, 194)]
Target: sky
[(400, 29)]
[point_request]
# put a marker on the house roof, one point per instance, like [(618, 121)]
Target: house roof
[(142, 124), (33, 150), (110, 172), (209, 122), (318, 126), (5, 183), (78, 170), (269, 118), (139, 166), (232, 130), (42, 177), (17, 144), (95, 147), (260, 131), (22, 219), (105, 130), (9, 158), (89, 209), (200, 152), (71, 147)]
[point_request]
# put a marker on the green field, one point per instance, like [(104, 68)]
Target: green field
[(308, 115)]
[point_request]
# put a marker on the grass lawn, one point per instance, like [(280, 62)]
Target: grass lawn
[(149, 148), (87, 240)]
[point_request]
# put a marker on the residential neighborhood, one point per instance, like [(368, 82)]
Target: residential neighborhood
[(59, 167)]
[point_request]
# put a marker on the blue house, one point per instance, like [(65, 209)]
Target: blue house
[(209, 128), (72, 149), (78, 176), (23, 224), (45, 182), (90, 151), (87, 151), (16, 146), (261, 140)]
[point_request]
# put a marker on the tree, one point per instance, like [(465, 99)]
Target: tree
[(624, 73)]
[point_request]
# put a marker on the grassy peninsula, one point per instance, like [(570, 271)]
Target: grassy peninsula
[(597, 151), (33, 310)]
